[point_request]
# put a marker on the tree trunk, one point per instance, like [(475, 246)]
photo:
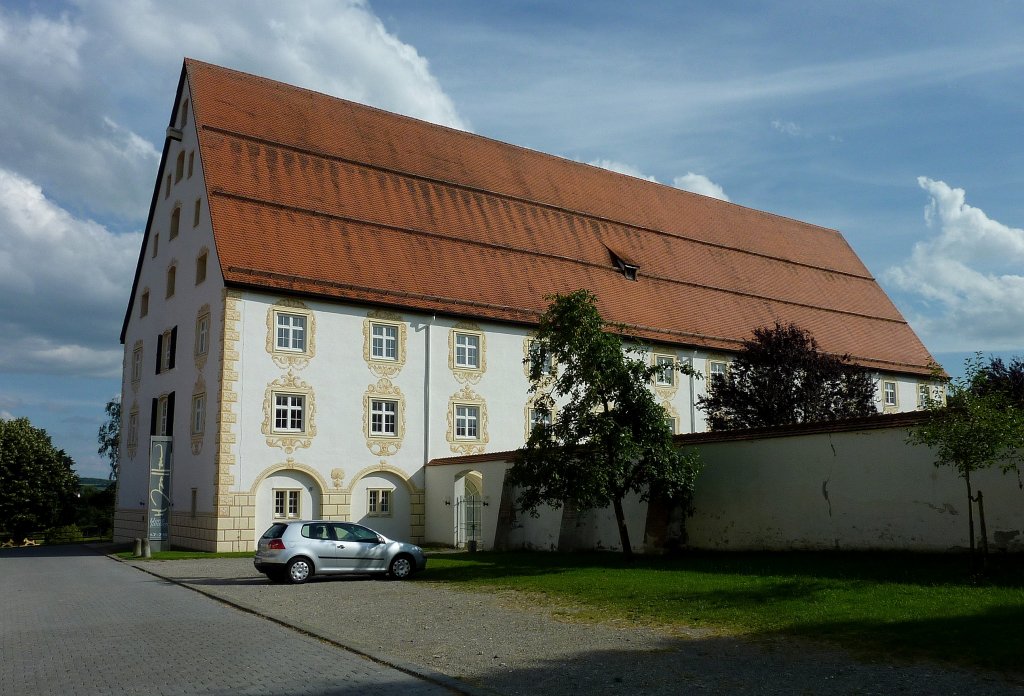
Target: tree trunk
[(984, 533), (620, 519), (970, 517)]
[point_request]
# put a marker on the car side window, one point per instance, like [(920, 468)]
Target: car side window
[(341, 533), (363, 534)]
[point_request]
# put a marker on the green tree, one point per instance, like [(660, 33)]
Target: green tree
[(781, 377), (610, 438), (977, 427), (38, 487), (109, 436)]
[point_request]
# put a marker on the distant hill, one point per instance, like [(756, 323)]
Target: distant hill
[(100, 483)]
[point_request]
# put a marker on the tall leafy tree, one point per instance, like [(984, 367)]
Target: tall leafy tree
[(781, 377), (38, 487), (979, 425), (998, 377), (609, 438), (109, 436)]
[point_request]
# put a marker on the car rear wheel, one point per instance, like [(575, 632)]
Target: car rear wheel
[(401, 568), (299, 570)]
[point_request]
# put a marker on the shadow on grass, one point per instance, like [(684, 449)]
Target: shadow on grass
[(889, 567)]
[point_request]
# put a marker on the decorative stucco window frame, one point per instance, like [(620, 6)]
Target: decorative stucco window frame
[(888, 407), (289, 359), (133, 430), (138, 365), (463, 374), (198, 434), (384, 445), (671, 414), (289, 441), (532, 405), (383, 367), (461, 445), (550, 375), (665, 390), (199, 351)]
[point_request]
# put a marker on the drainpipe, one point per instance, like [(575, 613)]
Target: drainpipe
[(693, 399)]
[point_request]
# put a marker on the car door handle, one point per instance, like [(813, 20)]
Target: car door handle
[(341, 546)]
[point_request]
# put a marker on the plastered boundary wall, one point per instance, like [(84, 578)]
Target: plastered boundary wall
[(847, 488), (855, 485)]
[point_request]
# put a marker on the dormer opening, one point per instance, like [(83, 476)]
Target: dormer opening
[(626, 266)]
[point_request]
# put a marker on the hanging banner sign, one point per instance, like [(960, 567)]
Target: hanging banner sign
[(159, 487)]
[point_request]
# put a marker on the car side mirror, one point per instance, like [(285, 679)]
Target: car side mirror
[(380, 539)]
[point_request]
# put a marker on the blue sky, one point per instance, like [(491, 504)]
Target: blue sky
[(899, 124)]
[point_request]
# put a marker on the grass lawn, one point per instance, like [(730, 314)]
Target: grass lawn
[(886, 604)]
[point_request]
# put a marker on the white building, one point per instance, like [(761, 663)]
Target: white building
[(329, 296)]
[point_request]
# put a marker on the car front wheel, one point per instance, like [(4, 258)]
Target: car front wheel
[(299, 570), (401, 568)]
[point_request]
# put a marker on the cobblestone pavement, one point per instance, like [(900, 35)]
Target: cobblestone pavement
[(75, 622), (500, 645)]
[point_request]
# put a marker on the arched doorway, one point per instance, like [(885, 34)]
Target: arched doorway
[(469, 501)]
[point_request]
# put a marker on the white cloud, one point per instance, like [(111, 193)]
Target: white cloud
[(91, 87), (698, 183), (787, 128), (967, 277), (695, 183), (621, 168), (65, 282)]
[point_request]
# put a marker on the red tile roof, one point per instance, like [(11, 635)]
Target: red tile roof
[(317, 195)]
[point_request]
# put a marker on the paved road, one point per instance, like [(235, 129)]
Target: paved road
[(75, 622)]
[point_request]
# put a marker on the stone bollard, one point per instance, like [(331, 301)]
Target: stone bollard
[(146, 553), (138, 547)]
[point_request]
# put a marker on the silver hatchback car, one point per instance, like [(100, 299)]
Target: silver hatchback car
[(296, 551)]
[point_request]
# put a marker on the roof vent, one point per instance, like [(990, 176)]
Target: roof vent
[(627, 267)]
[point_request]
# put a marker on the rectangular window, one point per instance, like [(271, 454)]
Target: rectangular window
[(192, 505), (539, 417), (291, 332), (165, 350), (889, 393), (467, 419), (195, 213), (718, 367), (666, 374), (156, 245), (384, 342), (203, 334), (384, 418), (167, 190), (923, 396), (133, 429), (548, 361), (201, 267), (191, 162), (286, 504), (198, 414), (467, 350), (144, 304), (175, 222), (179, 167), (137, 364), (172, 274), (378, 502), (670, 423), (288, 413), (163, 412)]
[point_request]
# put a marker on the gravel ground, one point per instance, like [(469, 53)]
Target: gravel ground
[(500, 643)]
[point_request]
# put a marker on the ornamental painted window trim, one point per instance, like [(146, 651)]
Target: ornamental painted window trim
[(531, 413), (666, 379), (376, 346), (549, 371), (287, 438), (286, 313), (671, 414), (380, 442), (137, 365), (198, 415), (467, 352), (461, 444), (201, 345), (890, 395), (133, 429), (379, 502)]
